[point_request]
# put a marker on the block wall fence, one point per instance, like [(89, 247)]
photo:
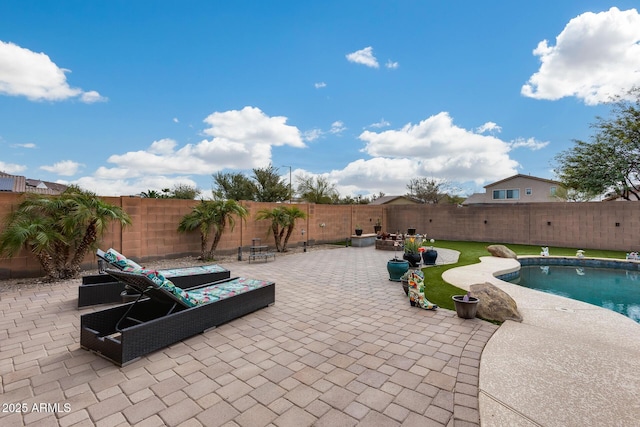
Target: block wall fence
[(153, 234)]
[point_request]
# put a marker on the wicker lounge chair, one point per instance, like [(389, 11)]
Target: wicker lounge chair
[(102, 288), (169, 314)]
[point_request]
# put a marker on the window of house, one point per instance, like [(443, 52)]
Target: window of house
[(553, 190), (528, 191), (506, 194)]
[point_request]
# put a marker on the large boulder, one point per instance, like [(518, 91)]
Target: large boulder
[(495, 304), (501, 251)]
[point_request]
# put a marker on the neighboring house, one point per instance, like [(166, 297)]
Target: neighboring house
[(394, 200), (517, 189), (20, 184)]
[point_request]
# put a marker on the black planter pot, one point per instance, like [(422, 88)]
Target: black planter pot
[(411, 231), (358, 232), (377, 228), (414, 259), (465, 309), (429, 257)]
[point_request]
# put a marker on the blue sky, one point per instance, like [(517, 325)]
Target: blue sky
[(125, 96)]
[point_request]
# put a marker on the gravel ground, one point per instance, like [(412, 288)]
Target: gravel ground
[(225, 260)]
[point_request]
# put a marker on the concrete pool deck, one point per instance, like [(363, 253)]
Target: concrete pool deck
[(567, 364)]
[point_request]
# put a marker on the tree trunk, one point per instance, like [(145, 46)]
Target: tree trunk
[(45, 261), (286, 238), (89, 238), (274, 228), (203, 246), (280, 240)]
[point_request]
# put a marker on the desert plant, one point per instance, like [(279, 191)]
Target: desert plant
[(208, 215), (59, 230), (283, 221)]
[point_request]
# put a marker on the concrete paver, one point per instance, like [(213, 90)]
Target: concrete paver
[(340, 346)]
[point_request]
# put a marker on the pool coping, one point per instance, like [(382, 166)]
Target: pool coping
[(567, 363)]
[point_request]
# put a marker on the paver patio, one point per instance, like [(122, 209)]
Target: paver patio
[(340, 347)]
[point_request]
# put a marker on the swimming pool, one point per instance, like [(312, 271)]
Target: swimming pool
[(612, 288)]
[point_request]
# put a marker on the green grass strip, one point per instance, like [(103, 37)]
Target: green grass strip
[(440, 292)]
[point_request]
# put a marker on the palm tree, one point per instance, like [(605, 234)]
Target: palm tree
[(212, 214), (59, 230), (283, 220)]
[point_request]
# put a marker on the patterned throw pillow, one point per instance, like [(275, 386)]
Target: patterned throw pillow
[(116, 258), (166, 284)]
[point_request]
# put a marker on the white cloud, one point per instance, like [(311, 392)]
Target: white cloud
[(240, 139), (25, 145), (596, 56), (11, 168), (381, 124), (64, 168), (163, 146), (34, 75), (312, 135), (392, 65), (91, 97), (530, 143), (175, 120), (320, 85), (440, 149), (489, 127), (364, 57), (337, 127), (115, 186)]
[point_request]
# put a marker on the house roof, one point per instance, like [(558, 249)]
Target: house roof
[(20, 184), (384, 200), (550, 181)]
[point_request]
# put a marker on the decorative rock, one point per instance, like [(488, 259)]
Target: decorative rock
[(495, 304), (501, 251)]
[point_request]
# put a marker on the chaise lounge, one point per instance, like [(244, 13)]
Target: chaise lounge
[(103, 288), (164, 313)]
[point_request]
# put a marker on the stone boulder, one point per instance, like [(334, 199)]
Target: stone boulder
[(501, 251), (495, 304)]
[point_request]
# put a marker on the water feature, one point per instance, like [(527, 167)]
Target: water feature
[(612, 288)]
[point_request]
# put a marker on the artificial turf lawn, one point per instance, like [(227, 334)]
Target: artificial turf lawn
[(440, 292)]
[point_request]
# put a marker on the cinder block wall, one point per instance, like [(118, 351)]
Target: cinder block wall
[(593, 225), (153, 233)]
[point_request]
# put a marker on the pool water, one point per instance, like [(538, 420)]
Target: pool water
[(611, 288)]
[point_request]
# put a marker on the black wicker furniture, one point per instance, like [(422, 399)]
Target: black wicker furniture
[(124, 333), (103, 288)]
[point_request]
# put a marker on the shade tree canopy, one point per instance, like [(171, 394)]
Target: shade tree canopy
[(609, 162)]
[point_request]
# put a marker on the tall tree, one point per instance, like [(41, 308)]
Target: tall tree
[(317, 189), (270, 187), (211, 215), (59, 230), (610, 161), (184, 191), (283, 221), (233, 186), (427, 190)]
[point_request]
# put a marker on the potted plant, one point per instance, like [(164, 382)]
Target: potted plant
[(396, 267), (377, 228), (358, 230), (429, 255), (466, 305), (411, 231), (411, 253)]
